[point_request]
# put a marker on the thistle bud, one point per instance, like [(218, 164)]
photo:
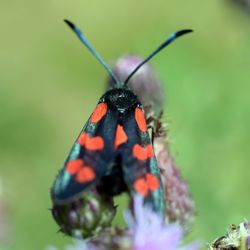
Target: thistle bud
[(85, 216), (179, 203), (236, 238), (146, 231)]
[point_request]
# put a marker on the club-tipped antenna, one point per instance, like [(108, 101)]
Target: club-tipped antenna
[(162, 46), (91, 49)]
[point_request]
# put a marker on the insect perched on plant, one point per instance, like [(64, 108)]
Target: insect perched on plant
[(113, 152)]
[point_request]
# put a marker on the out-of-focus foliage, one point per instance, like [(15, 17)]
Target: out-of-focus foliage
[(49, 85), (243, 4)]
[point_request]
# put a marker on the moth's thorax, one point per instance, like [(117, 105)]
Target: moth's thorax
[(121, 99)]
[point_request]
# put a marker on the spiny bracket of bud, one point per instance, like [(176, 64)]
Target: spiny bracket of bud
[(154, 122), (237, 238), (85, 216), (113, 239)]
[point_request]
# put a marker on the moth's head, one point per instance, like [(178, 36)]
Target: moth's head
[(121, 99)]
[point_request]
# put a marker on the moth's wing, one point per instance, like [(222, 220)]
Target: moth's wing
[(139, 164), (89, 157)]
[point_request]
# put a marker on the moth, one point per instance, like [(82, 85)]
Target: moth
[(113, 152)]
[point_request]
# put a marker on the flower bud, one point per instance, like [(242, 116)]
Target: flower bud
[(146, 231), (85, 216), (236, 238), (179, 203)]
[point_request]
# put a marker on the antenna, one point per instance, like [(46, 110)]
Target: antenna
[(162, 46), (91, 49)]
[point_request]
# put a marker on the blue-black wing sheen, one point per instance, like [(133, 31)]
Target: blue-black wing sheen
[(89, 157), (139, 165)]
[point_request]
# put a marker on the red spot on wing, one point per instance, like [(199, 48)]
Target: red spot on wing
[(73, 166), (142, 153), (146, 184), (141, 186), (140, 119), (85, 174), (152, 182), (91, 143), (94, 143), (99, 112), (82, 139), (150, 151), (120, 136)]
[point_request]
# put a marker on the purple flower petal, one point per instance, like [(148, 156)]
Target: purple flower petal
[(150, 232)]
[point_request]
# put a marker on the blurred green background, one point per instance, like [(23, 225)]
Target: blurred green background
[(49, 85)]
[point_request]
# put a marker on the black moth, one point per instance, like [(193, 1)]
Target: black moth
[(113, 152)]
